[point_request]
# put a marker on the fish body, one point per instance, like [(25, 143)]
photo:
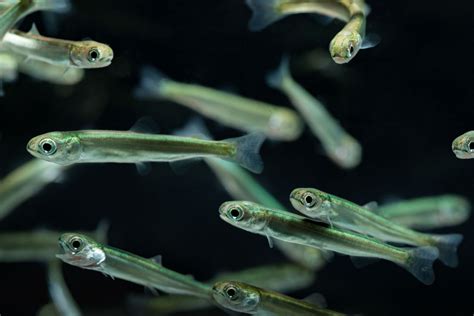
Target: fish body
[(344, 46), (463, 146), (248, 299), (341, 147), (345, 214), (429, 212), (26, 181), (289, 227), (91, 146), (276, 277), (18, 10), (69, 54), (82, 251), (276, 122)]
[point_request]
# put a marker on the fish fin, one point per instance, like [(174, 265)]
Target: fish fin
[(151, 83), (264, 13), (106, 275), (143, 168), (361, 262), (157, 259), (270, 241), (247, 154), (195, 127), (145, 125), (316, 299), (34, 30), (370, 40), (448, 246), (181, 166), (277, 78), (151, 290), (420, 263), (101, 231), (371, 206)]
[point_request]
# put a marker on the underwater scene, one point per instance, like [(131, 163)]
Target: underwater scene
[(235, 157)]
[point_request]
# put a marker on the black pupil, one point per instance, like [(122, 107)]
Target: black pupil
[(471, 146), (76, 244), (94, 55), (231, 292), (308, 199), (234, 212), (47, 147), (351, 49)]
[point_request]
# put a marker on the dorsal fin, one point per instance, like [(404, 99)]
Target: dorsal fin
[(371, 206), (34, 30), (145, 125), (157, 259)]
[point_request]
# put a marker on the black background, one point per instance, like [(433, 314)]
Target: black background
[(405, 100)]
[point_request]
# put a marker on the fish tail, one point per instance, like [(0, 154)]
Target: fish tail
[(420, 263), (277, 78), (248, 148), (265, 12), (61, 6), (448, 246), (151, 83)]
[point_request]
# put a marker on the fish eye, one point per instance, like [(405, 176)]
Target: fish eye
[(93, 55), (309, 199), (236, 213), (471, 146), (231, 292), (48, 146), (76, 243)]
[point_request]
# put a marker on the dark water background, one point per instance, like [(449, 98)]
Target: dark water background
[(405, 100)]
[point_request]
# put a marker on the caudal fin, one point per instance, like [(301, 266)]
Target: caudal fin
[(420, 263), (195, 127), (265, 12), (248, 148), (448, 246), (277, 78), (151, 83)]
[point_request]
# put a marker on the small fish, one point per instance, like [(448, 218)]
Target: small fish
[(37, 245), (429, 212), (26, 181), (344, 46), (345, 214), (284, 277), (244, 298), (21, 8), (276, 122), (86, 146), (61, 297), (297, 229), (65, 53), (341, 147), (84, 252), (463, 146)]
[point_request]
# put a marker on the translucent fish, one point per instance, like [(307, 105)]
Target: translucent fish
[(276, 122), (341, 213), (289, 227)]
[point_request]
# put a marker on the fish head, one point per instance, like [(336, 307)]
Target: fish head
[(347, 154), (236, 296), (91, 54), (245, 215), (81, 251), (285, 124), (463, 146), (62, 148), (344, 46), (311, 202)]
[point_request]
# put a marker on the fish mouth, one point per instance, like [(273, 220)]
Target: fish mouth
[(462, 154), (339, 60)]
